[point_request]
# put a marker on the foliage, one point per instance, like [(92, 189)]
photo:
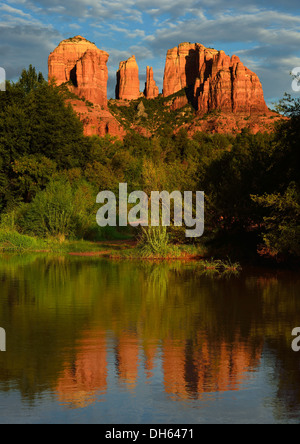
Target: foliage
[(14, 241), (219, 267), (50, 173), (61, 210), (282, 225), (155, 242), (157, 115), (30, 80)]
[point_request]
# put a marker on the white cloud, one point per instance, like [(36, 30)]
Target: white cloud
[(26, 43), (11, 10), (74, 26), (267, 38)]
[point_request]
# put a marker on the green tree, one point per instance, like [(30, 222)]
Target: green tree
[(62, 210), (281, 205), (282, 225), (30, 79)]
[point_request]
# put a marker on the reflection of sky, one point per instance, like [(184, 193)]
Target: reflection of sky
[(265, 37)]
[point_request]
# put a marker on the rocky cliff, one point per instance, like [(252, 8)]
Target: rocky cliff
[(205, 78), (151, 89), (82, 65), (128, 83), (213, 80)]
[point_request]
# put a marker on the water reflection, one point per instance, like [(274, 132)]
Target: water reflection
[(86, 375), (80, 329)]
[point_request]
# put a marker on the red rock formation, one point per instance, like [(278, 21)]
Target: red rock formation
[(81, 64), (178, 103), (151, 90), (182, 67), (128, 83), (231, 123), (97, 121), (216, 80)]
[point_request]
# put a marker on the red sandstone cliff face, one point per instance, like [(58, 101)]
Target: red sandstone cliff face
[(81, 64), (216, 80), (128, 83), (97, 121), (151, 89)]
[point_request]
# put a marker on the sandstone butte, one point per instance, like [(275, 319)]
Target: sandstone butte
[(83, 67), (215, 81), (151, 89), (211, 79), (128, 83), (81, 64)]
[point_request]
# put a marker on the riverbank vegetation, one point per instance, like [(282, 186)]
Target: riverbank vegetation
[(50, 174)]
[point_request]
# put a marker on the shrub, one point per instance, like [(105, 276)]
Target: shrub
[(61, 210), (13, 241), (155, 242)]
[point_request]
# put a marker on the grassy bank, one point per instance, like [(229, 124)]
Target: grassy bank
[(155, 249), (14, 242)]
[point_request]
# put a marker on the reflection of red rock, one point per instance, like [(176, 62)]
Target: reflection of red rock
[(81, 64), (218, 81), (150, 349), (174, 368), (221, 368), (127, 353), (128, 83), (80, 382), (151, 89)]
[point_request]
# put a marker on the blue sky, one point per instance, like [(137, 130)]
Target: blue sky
[(266, 38)]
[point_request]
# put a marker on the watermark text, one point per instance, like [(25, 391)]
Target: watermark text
[(296, 81), (2, 79), (2, 340), (154, 210), (296, 342)]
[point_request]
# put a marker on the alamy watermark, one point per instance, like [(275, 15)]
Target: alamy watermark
[(153, 210), (296, 342), (2, 79), (296, 82), (2, 340)]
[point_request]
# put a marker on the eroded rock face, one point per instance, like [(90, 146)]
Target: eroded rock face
[(151, 89), (97, 121), (82, 65), (128, 83), (214, 80)]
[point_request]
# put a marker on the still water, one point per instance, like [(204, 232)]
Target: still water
[(94, 341)]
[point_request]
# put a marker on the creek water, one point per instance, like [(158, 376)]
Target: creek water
[(96, 341)]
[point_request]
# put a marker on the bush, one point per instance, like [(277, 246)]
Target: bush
[(155, 242), (282, 227), (15, 242), (61, 210)]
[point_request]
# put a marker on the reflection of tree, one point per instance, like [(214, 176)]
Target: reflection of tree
[(210, 332), (282, 313)]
